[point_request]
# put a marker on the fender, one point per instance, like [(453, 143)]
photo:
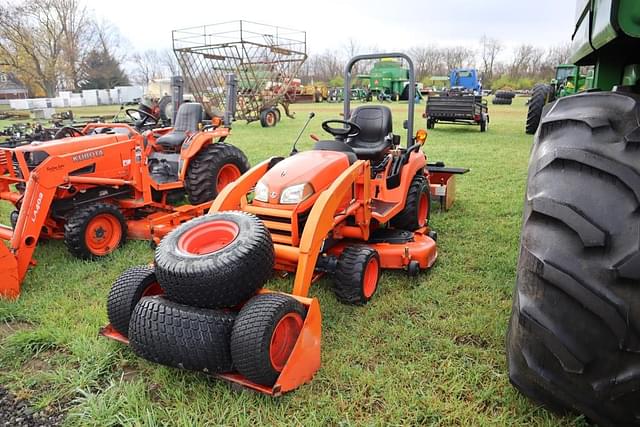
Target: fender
[(195, 143)]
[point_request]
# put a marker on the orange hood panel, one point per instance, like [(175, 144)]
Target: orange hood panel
[(73, 145), (319, 168)]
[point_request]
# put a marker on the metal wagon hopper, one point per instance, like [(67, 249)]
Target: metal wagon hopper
[(264, 60)]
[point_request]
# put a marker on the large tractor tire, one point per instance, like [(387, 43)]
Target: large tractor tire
[(181, 336), (215, 261), (573, 341), (95, 230), (501, 101), (129, 288), (213, 168), (506, 94), (539, 98), (264, 335)]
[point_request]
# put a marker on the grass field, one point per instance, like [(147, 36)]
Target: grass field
[(425, 351)]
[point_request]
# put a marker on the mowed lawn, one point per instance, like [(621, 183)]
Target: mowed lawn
[(425, 351)]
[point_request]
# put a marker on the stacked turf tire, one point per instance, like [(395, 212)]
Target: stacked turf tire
[(186, 322), (574, 336), (503, 97)]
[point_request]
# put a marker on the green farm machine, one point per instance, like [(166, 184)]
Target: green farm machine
[(387, 79), (568, 81), (573, 341)]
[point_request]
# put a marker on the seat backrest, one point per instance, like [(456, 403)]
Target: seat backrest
[(188, 117), (375, 124)]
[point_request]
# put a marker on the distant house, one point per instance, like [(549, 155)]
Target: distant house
[(11, 87)]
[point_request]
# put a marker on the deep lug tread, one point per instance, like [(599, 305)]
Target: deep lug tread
[(202, 173), (573, 340), (538, 100), (76, 224), (407, 218)]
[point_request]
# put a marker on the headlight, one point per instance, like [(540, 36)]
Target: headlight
[(296, 193), (261, 192)]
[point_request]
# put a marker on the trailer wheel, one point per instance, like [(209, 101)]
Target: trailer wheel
[(181, 336), (276, 110), (268, 118), (126, 291), (539, 98), (574, 336), (217, 260), (264, 335), (484, 123), (213, 168), (95, 230), (431, 123), (355, 280), (417, 208)]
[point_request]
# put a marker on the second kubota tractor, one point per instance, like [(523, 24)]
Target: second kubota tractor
[(348, 208), (95, 187)]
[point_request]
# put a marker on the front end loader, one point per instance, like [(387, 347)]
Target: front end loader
[(347, 209), (97, 186)]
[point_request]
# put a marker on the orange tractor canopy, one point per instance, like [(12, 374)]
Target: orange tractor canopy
[(353, 205), (96, 187)]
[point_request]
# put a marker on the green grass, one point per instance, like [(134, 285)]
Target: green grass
[(425, 351)]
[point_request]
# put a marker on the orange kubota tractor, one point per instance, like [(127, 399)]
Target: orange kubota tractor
[(96, 187), (348, 208)]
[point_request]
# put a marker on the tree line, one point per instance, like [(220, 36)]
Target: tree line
[(53, 45)]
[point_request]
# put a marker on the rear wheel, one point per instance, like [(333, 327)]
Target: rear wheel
[(213, 168), (355, 280), (574, 337), (268, 118), (539, 99), (417, 207), (484, 124), (95, 230), (126, 291), (264, 334)]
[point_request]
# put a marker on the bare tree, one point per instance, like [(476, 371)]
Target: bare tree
[(170, 63), (147, 66), (526, 60), (458, 56), (489, 51)]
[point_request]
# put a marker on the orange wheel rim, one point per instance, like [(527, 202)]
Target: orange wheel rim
[(103, 234), (423, 207), (370, 279), (208, 237), (226, 176), (283, 340)]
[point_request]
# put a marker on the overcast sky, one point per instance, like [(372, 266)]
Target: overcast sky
[(385, 24)]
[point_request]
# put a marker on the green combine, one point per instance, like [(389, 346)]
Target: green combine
[(387, 79), (568, 81), (573, 341)]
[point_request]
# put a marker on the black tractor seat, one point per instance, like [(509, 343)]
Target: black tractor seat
[(339, 146), (189, 115), (376, 132)]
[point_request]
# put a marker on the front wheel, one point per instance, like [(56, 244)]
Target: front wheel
[(539, 99), (95, 230), (355, 280)]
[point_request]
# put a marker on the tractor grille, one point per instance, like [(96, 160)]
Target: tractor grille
[(278, 222)]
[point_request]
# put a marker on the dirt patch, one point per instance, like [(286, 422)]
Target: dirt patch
[(10, 328), (471, 340), (19, 413)]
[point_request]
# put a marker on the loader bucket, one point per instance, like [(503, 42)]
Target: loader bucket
[(304, 360), (301, 366), (10, 282)]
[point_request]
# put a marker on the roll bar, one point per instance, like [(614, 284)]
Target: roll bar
[(412, 86)]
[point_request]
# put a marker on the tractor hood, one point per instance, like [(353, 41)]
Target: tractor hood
[(72, 145), (317, 168)]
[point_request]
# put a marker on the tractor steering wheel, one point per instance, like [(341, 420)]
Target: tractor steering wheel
[(66, 132), (142, 118), (342, 133)]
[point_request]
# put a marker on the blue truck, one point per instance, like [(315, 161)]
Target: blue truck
[(462, 103)]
